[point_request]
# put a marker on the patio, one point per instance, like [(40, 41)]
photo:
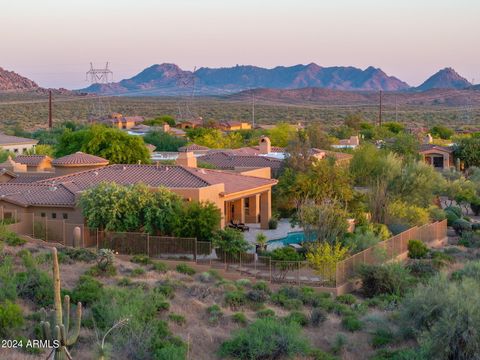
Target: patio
[(281, 231)]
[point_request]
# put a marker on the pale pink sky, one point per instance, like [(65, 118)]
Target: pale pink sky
[(53, 41)]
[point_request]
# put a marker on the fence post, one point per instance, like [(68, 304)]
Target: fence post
[(298, 273), (148, 244), (270, 266), (46, 230), (96, 231), (196, 250)]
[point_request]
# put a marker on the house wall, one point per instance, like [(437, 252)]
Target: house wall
[(265, 173), (19, 148)]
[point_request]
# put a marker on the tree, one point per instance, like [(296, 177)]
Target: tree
[(468, 150), (164, 141), (160, 120), (394, 127), (230, 241), (354, 121), (281, 134), (323, 258), (112, 144), (442, 132), (41, 149), (318, 138), (199, 220), (405, 145), (409, 215)]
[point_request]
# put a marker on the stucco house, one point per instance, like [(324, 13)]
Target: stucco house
[(119, 121), (234, 125), (16, 144), (440, 157)]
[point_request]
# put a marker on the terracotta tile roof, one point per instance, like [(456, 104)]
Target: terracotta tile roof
[(28, 179), (226, 160), (193, 147), (30, 160), (162, 175), (252, 150), (37, 194), (79, 159), (12, 140), (427, 147)]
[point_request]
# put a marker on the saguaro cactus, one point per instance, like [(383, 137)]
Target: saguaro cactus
[(60, 319)]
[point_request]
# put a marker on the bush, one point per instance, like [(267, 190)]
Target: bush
[(339, 343), (298, 317), (317, 317), (8, 284), (451, 217), (240, 318), (461, 225), (105, 271), (166, 289), (286, 253), (177, 319), (230, 241), (385, 279), (137, 272), (265, 313), (77, 254), (470, 270), (261, 285), (12, 239), (417, 249), (441, 259), (35, 285), (286, 302), (436, 214), (351, 323), (265, 339), (185, 269), (257, 296), (141, 259), (421, 269), (215, 314), (87, 290), (243, 283), (348, 299), (159, 266), (272, 224), (11, 318), (235, 299), (455, 210), (382, 337)]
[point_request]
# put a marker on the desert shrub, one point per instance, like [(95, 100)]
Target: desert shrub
[(11, 318), (265, 313), (137, 272), (215, 314), (141, 259), (230, 241), (285, 301), (400, 212), (461, 225), (205, 277), (441, 314), (339, 343), (235, 299), (185, 269), (319, 354), (214, 273), (87, 290), (167, 289), (455, 210), (441, 259), (159, 266), (261, 285), (475, 226), (361, 239), (451, 217), (124, 282), (8, 284), (317, 317), (297, 316), (171, 352), (352, 323), (265, 339), (239, 318), (243, 283), (417, 249), (348, 299), (436, 214), (389, 278), (104, 265), (177, 319), (35, 285), (12, 239), (272, 223), (77, 254), (470, 270), (257, 296), (382, 337), (421, 269)]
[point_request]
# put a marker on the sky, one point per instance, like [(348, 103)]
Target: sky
[(54, 41)]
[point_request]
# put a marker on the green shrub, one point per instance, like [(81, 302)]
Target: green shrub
[(205, 277), (141, 259), (171, 352), (239, 318), (382, 337), (470, 270), (261, 285), (421, 269), (417, 249), (12, 239), (243, 283), (8, 284), (348, 299), (455, 210), (137, 272), (298, 317), (265, 313), (35, 285), (215, 314), (104, 271), (317, 317), (166, 289), (436, 214), (451, 217), (319, 354), (77, 254), (124, 282), (461, 225), (272, 223), (265, 339), (352, 323), (185, 269), (257, 296), (159, 266), (11, 318), (339, 343), (177, 319), (87, 290), (441, 259), (389, 278), (235, 299)]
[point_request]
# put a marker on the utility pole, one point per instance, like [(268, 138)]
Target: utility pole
[(380, 110), (50, 122), (253, 109)]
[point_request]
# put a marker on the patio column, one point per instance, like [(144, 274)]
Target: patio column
[(242, 210), (254, 209), (239, 210), (265, 209)]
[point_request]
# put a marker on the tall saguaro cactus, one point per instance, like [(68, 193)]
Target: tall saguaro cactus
[(61, 318)]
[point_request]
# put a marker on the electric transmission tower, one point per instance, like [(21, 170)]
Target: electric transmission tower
[(99, 77), (185, 82)]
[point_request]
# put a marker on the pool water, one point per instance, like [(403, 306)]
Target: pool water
[(294, 237)]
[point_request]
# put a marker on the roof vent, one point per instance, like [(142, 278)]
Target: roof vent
[(167, 168), (52, 188), (124, 168), (95, 173), (202, 171)]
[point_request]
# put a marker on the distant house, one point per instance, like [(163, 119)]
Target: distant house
[(196, 149), (234, 125), (350, 143), (191, 124), (35, 163), (440, 157), (340, 158), (119, 121), (17, 145)]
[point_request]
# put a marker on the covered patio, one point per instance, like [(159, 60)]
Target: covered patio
[(250, 208)]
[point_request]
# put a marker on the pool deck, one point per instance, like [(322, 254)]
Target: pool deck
[(281, 231)]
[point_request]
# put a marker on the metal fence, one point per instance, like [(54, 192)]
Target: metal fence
[(389, 249)]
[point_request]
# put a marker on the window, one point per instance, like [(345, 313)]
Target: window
[(54, 215), (65, 216), (42, 214), (15, 150)]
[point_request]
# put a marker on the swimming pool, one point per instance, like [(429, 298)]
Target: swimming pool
[(294, 237)]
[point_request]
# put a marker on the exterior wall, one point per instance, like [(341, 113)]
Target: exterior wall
[(265, 173), (19, 148), (428, 156), (5, 178)]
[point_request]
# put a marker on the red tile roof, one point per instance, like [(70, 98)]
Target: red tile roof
[(193, 147), (427, 147), (30, 160), (79, 159), (13, 140), (37, 194), (229, 161)]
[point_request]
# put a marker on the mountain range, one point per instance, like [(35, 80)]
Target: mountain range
[(169, 79)]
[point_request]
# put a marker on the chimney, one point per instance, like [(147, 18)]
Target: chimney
[(166, 127), (428, 139), (265, 145), (354, 140), (187, 159)]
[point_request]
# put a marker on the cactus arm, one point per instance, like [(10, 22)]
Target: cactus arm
[(56, 286), (47, 332), (66, 313), (73, 335)]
